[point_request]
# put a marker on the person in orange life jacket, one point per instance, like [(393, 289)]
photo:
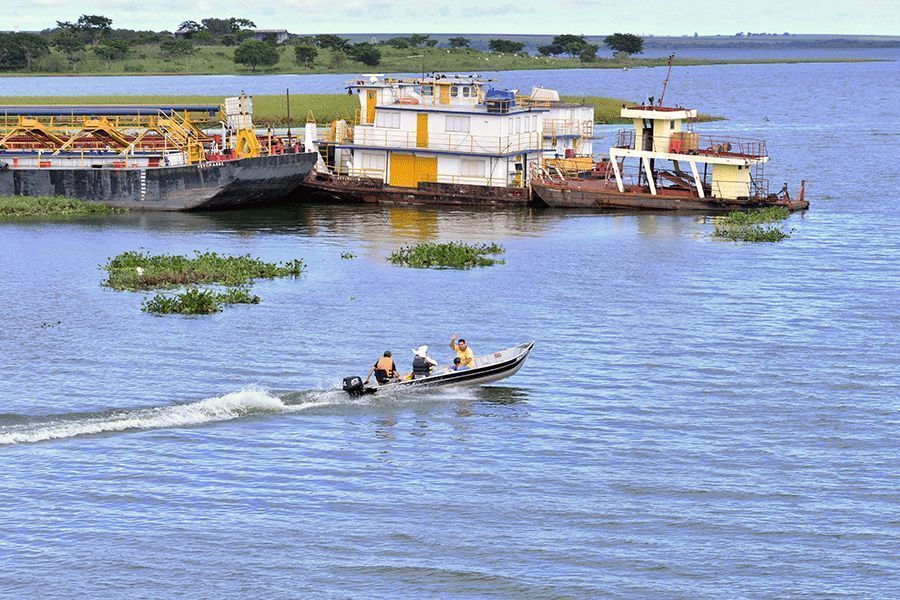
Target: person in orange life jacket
[(422, 363), (385, 370), (463, 352)]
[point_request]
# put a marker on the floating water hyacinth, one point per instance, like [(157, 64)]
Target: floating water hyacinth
[(197, 302), (136, 271), (752, 226), (24, 207), (143, 271), (450, 255)]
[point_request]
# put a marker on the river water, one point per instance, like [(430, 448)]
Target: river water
[(698, 418)]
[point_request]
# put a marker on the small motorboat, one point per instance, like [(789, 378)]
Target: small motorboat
[(487, 369)]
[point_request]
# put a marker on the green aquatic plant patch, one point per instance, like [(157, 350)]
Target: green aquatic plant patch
[(197, 302), (25, 207), (142, 271), (753, 226), (769, 214), (751, 233), (450, 255)]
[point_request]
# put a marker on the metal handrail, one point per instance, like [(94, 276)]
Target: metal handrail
[(706, 145), (457, 142)]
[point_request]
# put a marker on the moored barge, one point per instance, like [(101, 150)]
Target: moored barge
[(661, 164), (446, 140), (148, 157)]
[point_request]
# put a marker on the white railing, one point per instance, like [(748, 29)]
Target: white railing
[(557, 127), (452, 142)]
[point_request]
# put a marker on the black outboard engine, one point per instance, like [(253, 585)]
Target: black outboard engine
[(355, 387)]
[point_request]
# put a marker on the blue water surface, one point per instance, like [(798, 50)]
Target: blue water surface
[(698, 418)]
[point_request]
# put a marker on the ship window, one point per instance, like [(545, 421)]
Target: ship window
[(428, 90), (472, 168), (466, 92), (454, 91), (458, 124), (373, 161), (518, 124), (389, 119), (671, 124), (509, 124)]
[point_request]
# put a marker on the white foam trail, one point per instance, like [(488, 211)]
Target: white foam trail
[(211, 410)]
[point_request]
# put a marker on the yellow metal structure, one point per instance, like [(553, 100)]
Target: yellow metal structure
[(422, 130), (125, 134), (247, 145), (30, 126), (409, 170)]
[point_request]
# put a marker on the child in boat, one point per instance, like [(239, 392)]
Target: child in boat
[(457, 365)]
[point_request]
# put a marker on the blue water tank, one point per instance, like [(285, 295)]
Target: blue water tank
[(499, 101)]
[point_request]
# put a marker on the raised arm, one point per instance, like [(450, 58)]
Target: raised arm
[(453, 341)]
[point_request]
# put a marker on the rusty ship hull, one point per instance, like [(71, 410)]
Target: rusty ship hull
[(593, 193), (341, 188)]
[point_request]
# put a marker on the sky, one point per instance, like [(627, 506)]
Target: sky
[(589, 17)]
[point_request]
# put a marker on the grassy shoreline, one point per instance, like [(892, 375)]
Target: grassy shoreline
[(219, 60), (271, 109)]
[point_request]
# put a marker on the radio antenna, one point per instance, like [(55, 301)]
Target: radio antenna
[(666, 80)]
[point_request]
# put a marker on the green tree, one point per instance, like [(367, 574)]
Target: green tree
[(327, 40), (417, 39), (241, 24), (94, 26), (254, 53), (460, 42), (573, 45), (18, 50), (365, 53), (189, 28), (219, 27), (398, 42), (550, 50), (173, 48), (506, 46), (627, 43), (69, 42), (202, 37), (112, 49), (306, 55), (588, 53)]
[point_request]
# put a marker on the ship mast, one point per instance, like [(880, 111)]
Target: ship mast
[(666, 80)]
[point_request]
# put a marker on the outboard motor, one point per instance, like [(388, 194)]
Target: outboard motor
[(355, 387)]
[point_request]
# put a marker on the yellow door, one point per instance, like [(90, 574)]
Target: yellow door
[(403, 170), (422, 130), (408, 170), (445, 93), (370, 106), (426, 169)]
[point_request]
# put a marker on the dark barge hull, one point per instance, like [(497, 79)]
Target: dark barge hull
[(343, 188), (593, 194), (230, 184)]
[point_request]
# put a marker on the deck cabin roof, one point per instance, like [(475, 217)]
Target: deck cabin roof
[(659, 113)]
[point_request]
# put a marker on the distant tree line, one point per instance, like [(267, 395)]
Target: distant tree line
[(94, 35)]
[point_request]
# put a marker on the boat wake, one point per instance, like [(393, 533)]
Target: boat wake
[(243, 403)]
